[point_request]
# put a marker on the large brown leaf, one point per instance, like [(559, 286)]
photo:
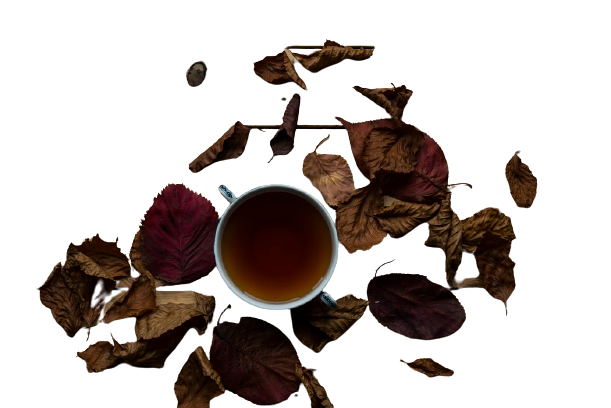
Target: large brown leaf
[(316, 324), (230, 146), (279, 69), (316, 392), (330, 174), (402, 217), (138, 300), (415, 307), (488, 219), (392, 150), (284, 139), (99, 258), (355, 229), (255, 360), (357, 133), (429, 367), (393, 100), (331, 54), (522, 183), (64, 303), (197, 382), (495, 268)]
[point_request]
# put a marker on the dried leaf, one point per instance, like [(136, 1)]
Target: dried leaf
[(357, 132), (330, 174), (315, 324), (197, 382), (178, 236), (255, 360), (278, 69), (355, 229), (136, 257), (196, 73), (488, 219), (392, 150), (331, 54), (230, 146), (284, 140), (427, 182), (415, 307), (393, 100), (495, 268), (138, 300), (401, 217), (317, 393), (99, 258), (522, 183), (429, 367), (63, 302)]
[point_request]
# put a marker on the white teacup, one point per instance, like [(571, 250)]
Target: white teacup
[(317, 290)]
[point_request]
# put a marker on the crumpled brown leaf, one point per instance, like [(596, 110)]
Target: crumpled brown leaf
[(429, 367), (495, 268), (330, 174), (64, 303), (284, 139), (157, 338), (279, 69), (355, 229), (488, 219), (522, 183), (393, 100), (402, 217), (392, 150), (316, 324), (99, 258), (197, 382), (331, 54), (317, 393), (230, 146), (138, 300)]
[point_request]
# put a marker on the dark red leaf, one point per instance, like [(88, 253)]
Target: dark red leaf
[(255, 360), (230, 146), (178, 236), (414, 306), (284, 140), (279, 69)]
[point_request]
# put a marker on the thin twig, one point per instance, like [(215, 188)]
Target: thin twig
[(382, 266), (320, 47), (298, 126)]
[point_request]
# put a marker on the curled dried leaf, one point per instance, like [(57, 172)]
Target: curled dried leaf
[(230, 146), (317, 393), (429, 367), (488, 219), (138, 300), (279, 69), (284, 140), (197, 382), (64, 303), (393, 100), (522, 183), (331, 54), (196, 73), (99, 258), (392, 150), (330, 174), (401, 217)]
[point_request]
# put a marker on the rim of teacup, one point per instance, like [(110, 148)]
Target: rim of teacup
[(318, 289)]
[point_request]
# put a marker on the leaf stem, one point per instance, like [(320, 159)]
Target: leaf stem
[(218, 321), (382, 266)]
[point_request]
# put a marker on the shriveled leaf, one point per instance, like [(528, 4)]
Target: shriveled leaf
[(357, 132), (331, 54), (138, 300), (488, 219), (429, 367), (316, 324), (495, 268), (317, 393), (393, 100), (230, 146), (178, 236), (284, 140), (401, 217), (99, 258), (427, 182), (99, 357), (355, 229), (330, 174), (392, 150), (279, 69), (64, 303), (196, 73), (414, 306), (197, 382), (522, 183), (255, 360)]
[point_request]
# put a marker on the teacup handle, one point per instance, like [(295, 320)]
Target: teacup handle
[(229, 196), (327, 300)]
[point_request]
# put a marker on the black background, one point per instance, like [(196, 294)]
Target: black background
[(133, 125)]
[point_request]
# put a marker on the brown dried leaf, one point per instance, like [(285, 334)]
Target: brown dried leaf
[(330, 174), (495, 268), (279, 69), (429, 367), (393, 100), (230, 146), (64, 303), (315, 324), (197, 382), (488, 219), (357, 132), (196, 73), (138, 300), (331, 54), (402, 217), (317, 393), (355, 229), (99, 258), (522, 183), (284, 139), (392, 150)]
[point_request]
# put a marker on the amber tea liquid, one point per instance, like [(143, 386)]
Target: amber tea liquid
[(276, 247)]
